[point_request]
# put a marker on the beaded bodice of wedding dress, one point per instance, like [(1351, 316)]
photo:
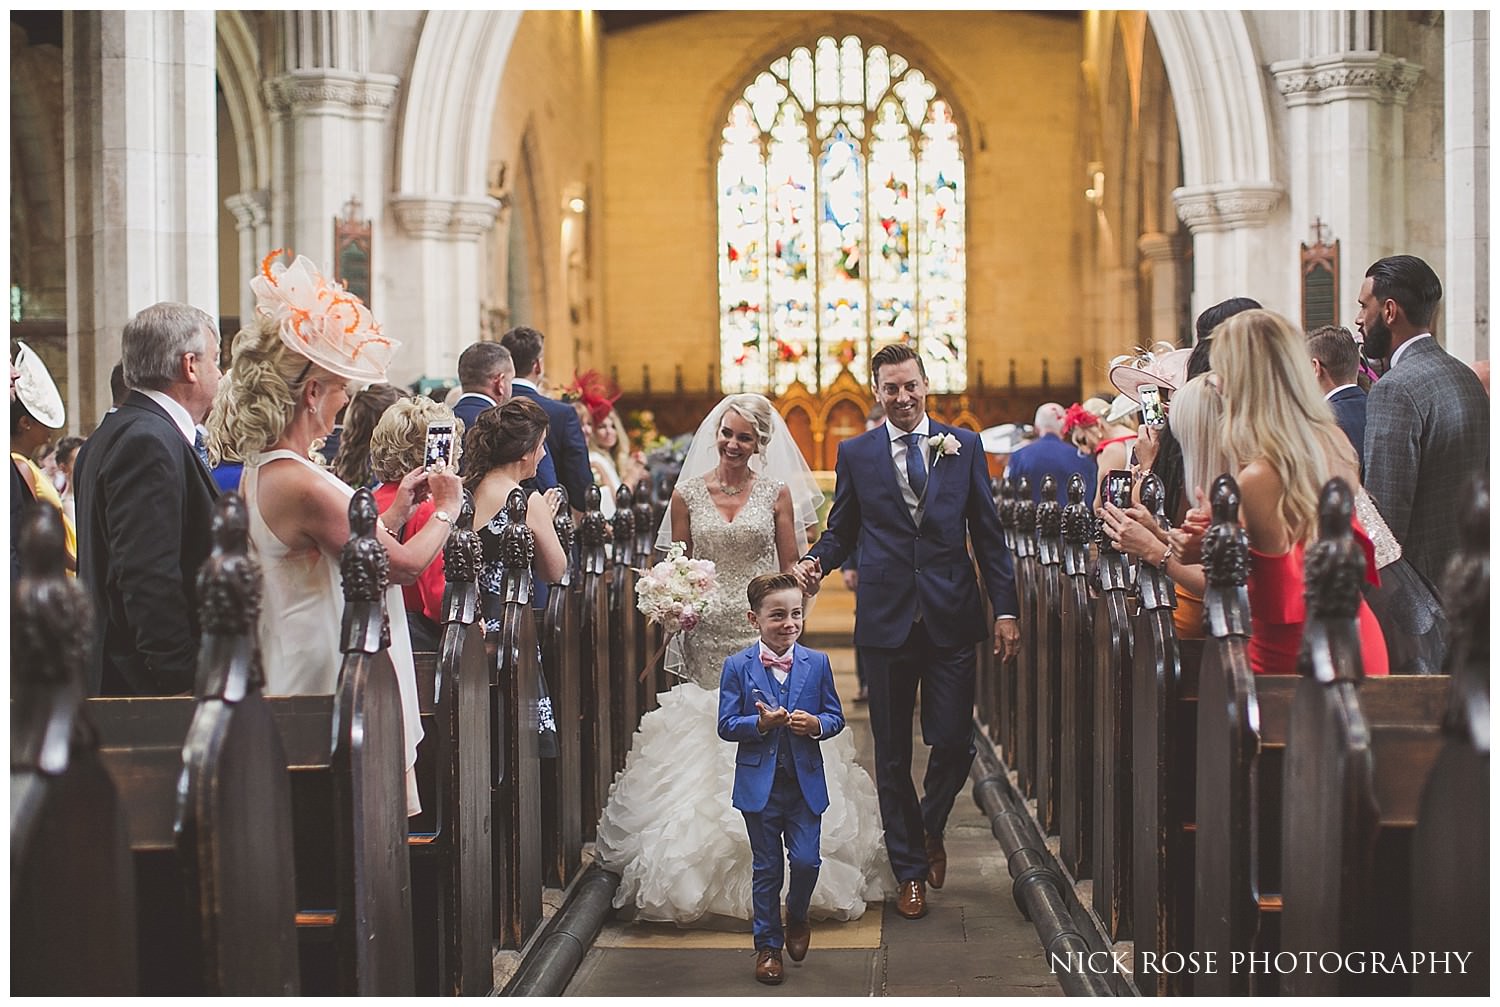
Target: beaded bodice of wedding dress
[(741, 550)]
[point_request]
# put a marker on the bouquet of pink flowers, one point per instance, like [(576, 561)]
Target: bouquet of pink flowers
[(676, 594)]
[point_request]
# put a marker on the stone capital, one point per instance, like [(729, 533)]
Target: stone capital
[(1159, 247), (1225, 206), (251, 209), (1342, 76), (464, 217), (341, 92)]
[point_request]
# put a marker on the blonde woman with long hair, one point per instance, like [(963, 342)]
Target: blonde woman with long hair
[(1281, 438), (293, 368)]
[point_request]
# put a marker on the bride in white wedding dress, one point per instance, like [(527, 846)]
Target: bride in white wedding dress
[(744, 499)]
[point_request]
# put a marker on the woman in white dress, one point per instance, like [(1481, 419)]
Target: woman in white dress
[(295, 367), (745, 499)]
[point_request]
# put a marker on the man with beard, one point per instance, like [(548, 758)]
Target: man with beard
[(1428, 419)]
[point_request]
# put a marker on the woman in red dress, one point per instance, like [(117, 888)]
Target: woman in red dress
[(1281, 435)]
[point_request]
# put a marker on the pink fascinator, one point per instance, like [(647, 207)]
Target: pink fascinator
[(321, 320)]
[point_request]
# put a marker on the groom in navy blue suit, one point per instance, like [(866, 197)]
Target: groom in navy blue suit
[(913, 494)]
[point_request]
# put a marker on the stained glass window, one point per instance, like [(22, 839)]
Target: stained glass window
[(841, 221)]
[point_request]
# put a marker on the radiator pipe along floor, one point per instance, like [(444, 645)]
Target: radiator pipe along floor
[(1037, 887), (549, 967)]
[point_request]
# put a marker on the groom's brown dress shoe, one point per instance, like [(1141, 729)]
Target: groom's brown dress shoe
[(768, 966), (937, 861), (797, 937), (911, 901)]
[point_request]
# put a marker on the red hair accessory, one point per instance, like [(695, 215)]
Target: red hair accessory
[(1077, 416), (593, 390)]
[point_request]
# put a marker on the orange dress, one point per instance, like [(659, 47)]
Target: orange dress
[(1277, 612)]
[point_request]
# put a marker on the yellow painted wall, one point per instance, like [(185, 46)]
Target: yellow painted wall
[(549, 106), (1012, 77)]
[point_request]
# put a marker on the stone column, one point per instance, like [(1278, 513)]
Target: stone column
[(252, 221), (440, 310), (1162, 257), (330, 124), (1345, 133), (139, 149), (1465, 315), (1234, 252)]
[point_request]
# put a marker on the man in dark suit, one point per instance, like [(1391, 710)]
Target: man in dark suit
[(566, 461), (1050, 455), (144, 501), (485, 371), (1427, 425), (912, 493), (1335, 358)]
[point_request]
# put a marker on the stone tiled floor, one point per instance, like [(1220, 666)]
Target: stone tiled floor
[(973, 941)]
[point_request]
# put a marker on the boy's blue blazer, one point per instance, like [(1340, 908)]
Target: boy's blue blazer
[(809, 688)]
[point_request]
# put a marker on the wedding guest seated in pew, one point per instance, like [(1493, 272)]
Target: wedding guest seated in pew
[(504, 448), (397, 447), (1196, 419), (1086, 426), (1283, 441), (292, 373)]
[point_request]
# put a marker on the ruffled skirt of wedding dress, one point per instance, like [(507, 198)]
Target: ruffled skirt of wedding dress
[(680, 846)]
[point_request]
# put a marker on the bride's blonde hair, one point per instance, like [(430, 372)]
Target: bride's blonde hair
[(266, 381), (1273, 410)]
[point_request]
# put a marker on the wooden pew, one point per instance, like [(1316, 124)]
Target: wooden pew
[(1000, 716), (993, 674), (1450, 866), (592, 586), (345, 752), (1225, 913), (450, 841), (1074, 775), (626, 649), (203, 782), (72, 886), (1163, 733), (648, 635), (1045, 688), (516, 776), (1243, 731), (562, 777), (1353, 780), (1033, 594), (1112, 835)]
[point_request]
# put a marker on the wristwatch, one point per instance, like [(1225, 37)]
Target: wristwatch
[(444, 517)]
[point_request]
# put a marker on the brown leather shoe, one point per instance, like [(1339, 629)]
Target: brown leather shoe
[(797, 937), (768, 966), (911, 901), (937, 861)]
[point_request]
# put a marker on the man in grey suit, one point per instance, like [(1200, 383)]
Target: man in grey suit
[(1428, 419)]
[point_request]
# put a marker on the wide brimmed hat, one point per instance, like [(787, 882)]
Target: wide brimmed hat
[(1121, 407), (36, 389), (1005, 438), (322, 321), (1163, 365)]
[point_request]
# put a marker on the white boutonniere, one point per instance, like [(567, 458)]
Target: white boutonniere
[(942, 446)]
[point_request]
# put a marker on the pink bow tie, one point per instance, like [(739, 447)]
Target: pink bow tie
[(784, 662)]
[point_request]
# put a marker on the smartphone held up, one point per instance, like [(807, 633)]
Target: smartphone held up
[(1153, 413), (438, 456)]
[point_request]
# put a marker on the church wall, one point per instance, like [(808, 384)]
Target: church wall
[(1011, 77), (546, 126)]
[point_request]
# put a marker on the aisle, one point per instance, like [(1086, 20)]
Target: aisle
[(972, 942)]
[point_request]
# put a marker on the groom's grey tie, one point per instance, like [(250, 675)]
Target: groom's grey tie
[(916, 465)]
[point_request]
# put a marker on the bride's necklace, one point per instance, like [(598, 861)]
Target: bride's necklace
[(725, 488)]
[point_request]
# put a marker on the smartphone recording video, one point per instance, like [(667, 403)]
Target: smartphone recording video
[(1153, 414), (1117, 488), (439, 453)]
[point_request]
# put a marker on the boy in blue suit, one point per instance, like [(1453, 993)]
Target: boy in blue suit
[(778, 701)]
